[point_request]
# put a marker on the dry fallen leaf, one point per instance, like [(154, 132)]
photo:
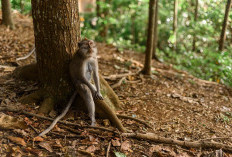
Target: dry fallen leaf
[(8, 122), (46, 146), (17, 140), (38, 139), (91, 149), (34, 151), (115, 142), (126, 146)]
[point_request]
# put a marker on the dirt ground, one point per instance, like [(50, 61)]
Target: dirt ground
[(176, 104)]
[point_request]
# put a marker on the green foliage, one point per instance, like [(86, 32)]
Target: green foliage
[(119, 154), (208, 65), (26, 5)]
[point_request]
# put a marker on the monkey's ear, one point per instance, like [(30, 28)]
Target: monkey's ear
[(90, 43), (86, 38)]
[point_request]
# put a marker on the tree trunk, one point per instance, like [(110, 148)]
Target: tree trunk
[(103, 13), (175, 22), (6, 14), (57, 32), (195, 20), (156, 30), (150, 38), (224, 26), (21, 6)]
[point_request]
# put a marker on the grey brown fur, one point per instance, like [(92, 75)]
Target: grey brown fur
[(82, 66)]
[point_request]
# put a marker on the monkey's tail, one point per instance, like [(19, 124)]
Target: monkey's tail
[(60, 116)]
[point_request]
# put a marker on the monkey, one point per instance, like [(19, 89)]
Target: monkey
[(83, 65), (81, 68), (28, 55)]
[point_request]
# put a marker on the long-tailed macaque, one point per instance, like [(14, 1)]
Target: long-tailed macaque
[(81, 68)]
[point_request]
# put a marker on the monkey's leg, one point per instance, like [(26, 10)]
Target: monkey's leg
[(86, 95), (60, 116)]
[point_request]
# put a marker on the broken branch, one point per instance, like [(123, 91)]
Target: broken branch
[(196, 144)]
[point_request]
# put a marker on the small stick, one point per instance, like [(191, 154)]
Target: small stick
[(118, 83), (108, 149), (60, 116), (135, 119), (113, 77), (68, 136), (33, 129)]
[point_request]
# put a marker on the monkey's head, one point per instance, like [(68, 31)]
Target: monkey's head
[(87, 48)]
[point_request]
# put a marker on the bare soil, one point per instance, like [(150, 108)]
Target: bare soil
[(175, 103)]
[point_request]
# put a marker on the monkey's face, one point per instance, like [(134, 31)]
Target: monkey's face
[(87, 48)]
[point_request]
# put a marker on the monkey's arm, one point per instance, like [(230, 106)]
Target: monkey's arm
[(94, 65), (91, 87)]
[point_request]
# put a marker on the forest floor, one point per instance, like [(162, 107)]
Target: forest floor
[(175, 103)]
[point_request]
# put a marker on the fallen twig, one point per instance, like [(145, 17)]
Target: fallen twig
[(67, 136), (135, 119), (197, 144), (108, 149), (114, 77)]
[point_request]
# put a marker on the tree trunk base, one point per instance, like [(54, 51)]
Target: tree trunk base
[(104, 108)]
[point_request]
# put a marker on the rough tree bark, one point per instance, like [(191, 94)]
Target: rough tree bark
[(6, 14), (57, 31), (224, 26), (150, 38), (175, 22), (156, 31), (195, 20)]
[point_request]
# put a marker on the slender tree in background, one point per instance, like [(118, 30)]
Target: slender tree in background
[(57, 32), (195, 20), (21, 6), (224, 26), (103, 12), (175, 21), (156, 31), (150, 38), (6, 14)]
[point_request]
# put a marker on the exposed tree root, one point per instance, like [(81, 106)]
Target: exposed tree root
[(198, 144), (135, 119), (35, 97), (27, 72), (47, 106)]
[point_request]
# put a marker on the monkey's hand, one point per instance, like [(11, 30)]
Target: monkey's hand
[(98, 95)]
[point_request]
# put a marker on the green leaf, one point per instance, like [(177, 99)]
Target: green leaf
[(119, 154)]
